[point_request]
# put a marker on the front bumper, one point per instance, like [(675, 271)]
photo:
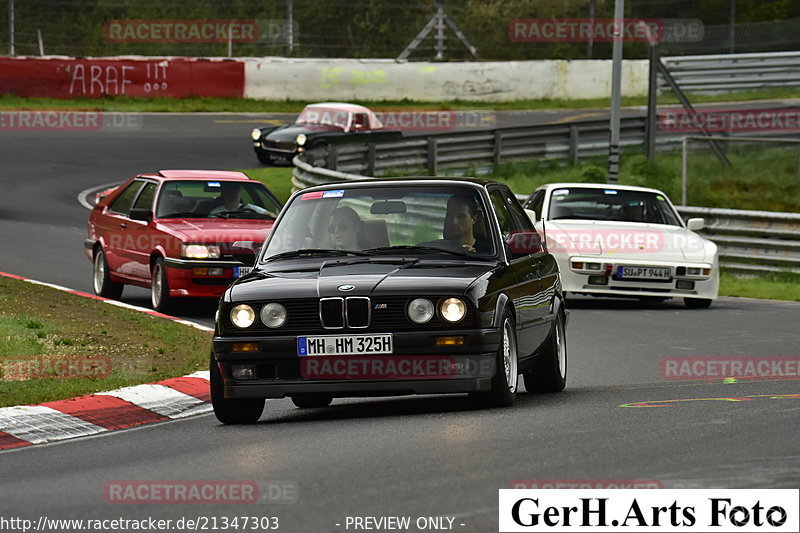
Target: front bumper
[(276, 156), (679, 285), (280, 372), (185, 280)]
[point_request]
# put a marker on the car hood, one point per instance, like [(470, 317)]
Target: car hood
[(290, 133), (321, 279), (626, 240), (217, 230)]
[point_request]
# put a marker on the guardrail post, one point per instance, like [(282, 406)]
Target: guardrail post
[(498, 146), (432, 162), (371, 159), (684, 167), (652, 93), (574, 140), (333, 157)]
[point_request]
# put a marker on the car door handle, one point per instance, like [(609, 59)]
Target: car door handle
[(123, 225)]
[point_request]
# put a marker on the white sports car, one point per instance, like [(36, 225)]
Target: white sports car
[(615, 240)]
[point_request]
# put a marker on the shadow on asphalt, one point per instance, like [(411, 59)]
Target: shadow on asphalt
[(410, 406)]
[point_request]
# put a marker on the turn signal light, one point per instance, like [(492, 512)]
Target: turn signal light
[(449, 341), (577, 265), (244, 347)]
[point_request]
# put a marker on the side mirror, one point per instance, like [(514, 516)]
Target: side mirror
[(531, 215), (141, 213), (696, 224), (525, 242), (246, 251)]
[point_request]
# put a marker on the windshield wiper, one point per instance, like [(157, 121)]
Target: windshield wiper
[(241, 214), (313, 251), (430, 249)]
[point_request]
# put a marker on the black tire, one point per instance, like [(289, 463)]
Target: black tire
[(101, 279), (506, 365), (550, 373), (232, 410), (159, 288), (697, 303), (311, 401)]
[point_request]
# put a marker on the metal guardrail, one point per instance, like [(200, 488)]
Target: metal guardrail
[(749, 241), (752, 241), (442, 151), (734, 72), (431, 154)]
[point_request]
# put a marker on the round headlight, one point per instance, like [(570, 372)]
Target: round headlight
[(453, 309), (300, 139), (255, 134), (273, 315), (243, 316), (420, 310)]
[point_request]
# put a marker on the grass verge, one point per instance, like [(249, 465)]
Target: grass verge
[(777, 286), (277, 179), (40, 326), (249, 105)]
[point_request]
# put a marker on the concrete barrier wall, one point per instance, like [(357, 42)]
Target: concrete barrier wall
[(315, 79), (374, 79), (67, 77)]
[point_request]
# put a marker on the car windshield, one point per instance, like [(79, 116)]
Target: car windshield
[(322, 116), (384, 220), (215, 199), (571, 203)]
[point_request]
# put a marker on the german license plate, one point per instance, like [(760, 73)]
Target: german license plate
[(345, 345), (238, 272), (636, 272)]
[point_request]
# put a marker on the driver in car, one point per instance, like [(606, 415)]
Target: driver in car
[(634, 211), (230, 200), (460, 224)]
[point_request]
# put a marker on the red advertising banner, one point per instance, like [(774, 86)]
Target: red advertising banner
[(95, 78)]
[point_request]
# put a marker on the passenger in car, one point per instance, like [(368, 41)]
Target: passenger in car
[(347, 229)]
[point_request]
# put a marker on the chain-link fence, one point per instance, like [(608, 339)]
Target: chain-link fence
[(372, 28)]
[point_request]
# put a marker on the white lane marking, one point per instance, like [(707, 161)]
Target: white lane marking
[(37, 424), (150, 312), (160, 399), (124, 305), (95, 189)]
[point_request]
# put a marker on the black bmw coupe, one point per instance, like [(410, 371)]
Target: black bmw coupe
[(392, 287)]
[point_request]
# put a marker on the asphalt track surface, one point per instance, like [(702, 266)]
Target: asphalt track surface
[(410, 456)]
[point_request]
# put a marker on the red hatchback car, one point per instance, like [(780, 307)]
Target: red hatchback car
[(173, 232)]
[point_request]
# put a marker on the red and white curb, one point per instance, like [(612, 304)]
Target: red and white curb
[(25, 425)]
